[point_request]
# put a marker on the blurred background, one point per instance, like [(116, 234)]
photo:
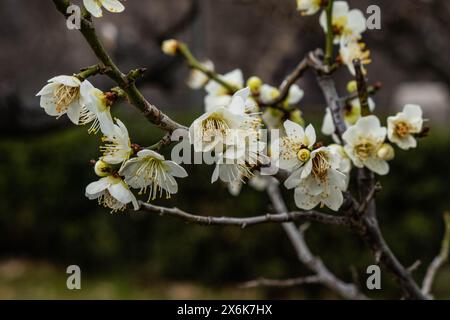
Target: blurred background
[(46, 223)]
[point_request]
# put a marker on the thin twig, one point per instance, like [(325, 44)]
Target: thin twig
[(249, 221), (439, 260), (285, 283), (369, 197)]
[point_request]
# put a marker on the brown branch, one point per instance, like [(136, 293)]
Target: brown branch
[(361, 83), (285, 283), (134, 96), (366, 223), (439, 260), (249, 221), (369, 197)]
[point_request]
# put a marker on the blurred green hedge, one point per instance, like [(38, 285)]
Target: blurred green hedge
[(44, 215)]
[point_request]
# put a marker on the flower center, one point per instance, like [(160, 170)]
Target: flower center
[(303, 155), (108, 201), (213, 127), (114, 146), (339, 24), (401, 129), (152, 172), (320, 165), (64, 96), (364, 149)]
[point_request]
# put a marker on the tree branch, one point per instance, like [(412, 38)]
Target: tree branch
[(135, 97), (363, 93), (263, 282), (348, 291), (246, 222), (439, 260)]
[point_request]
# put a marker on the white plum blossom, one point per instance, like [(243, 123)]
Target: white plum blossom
[(293, 150), (117, 146), (269, 93), (112, 192), (219, 96), (351, 50), (344, 164), (309, 7), (318, 181), (243, 151), (99, 109), (347, 24), (363, 140), (198, 79), (212, 128), (150, 171), (62, 95), (403, 126), (95, 6)]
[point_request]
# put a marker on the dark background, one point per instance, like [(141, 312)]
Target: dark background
[(46, 223)]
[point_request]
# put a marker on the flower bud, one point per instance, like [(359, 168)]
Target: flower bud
[(296, 116), (170, 47), (386, 152), (101, 168), (303, 155), (352, 86), (254, 83)]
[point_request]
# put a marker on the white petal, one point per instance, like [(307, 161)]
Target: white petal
[(378, 166), (113, 5), (340, 8), (49, 88), (293, 180), (334, 200), (305, 201), (69, 81), (98, 186), (176, 170), (106, 123), (310, 135), (48, 104), (120, 192), (356, 21), (150, 153), (235, 77), (74, 111), (328, 127), (295, 94), (93, 7), (294, 130)]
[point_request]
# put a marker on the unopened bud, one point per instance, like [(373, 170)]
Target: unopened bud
[(303, 155), (254, 83), (296, 116), (170, 47), (101, 168), (386, 152), (352, 86)]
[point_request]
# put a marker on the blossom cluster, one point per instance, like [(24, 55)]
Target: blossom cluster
[(122, 166), (236, 114)]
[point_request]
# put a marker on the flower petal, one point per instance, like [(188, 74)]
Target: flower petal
[(93, 7)]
